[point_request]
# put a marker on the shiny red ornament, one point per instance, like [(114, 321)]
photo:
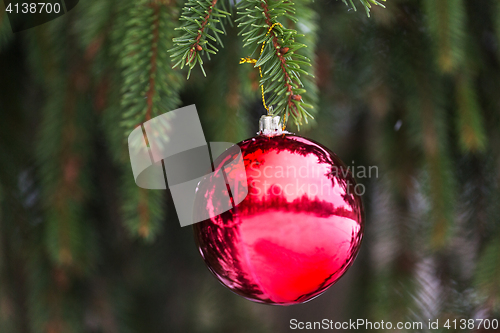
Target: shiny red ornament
[(296, 232)]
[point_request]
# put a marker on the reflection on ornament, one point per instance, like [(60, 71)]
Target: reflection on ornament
[(297, 231)]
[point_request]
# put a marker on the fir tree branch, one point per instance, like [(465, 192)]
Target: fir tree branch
[(202, 26), (307, 30), (280, 54), (149, 87), (366, 3), (154, 54), (62, 145), (487, 274), (446, 24), (279, 63), (470, 124)]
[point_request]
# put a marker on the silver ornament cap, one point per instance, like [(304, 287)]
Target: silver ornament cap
[(270, 126)]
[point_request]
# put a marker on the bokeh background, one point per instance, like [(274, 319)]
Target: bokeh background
[(413, 90)]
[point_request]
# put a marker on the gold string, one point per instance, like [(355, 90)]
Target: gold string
[(284, 120), (253, 61)]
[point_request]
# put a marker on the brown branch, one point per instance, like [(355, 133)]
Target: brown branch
[(154, 48), (142, 207), (282, 59), (196, 46)]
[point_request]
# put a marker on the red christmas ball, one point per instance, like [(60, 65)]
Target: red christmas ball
[(295, 233)]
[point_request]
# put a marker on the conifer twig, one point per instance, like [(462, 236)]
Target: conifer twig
[(202, 26), (154, 53), (279, 63), (283, 65), (366, 3)]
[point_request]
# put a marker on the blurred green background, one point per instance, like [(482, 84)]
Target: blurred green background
[(413, 90)]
